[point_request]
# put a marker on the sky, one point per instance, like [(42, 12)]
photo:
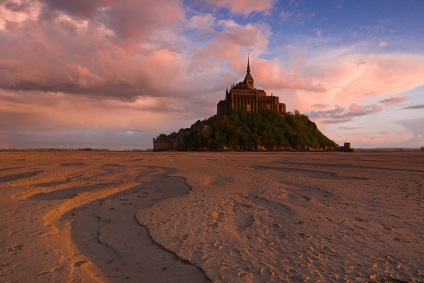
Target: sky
[(116, 73)]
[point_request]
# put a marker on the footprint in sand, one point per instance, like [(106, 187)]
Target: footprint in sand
[(5, 265), (16, 231), (56, 269), (79, 263), (15, 249), (46, 252), (36, 234)]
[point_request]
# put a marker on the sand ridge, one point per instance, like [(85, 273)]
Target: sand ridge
[(221, 217)]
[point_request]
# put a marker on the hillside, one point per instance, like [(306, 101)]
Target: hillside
[(242, 130)]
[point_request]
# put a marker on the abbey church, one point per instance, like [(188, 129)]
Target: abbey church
[(245, 96)]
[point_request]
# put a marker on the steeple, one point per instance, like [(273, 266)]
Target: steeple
[(248, 79), (248, 65)]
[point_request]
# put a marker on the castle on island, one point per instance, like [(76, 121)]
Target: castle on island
[(241, 96)]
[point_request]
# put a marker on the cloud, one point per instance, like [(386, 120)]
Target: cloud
[(419, 106), (393, 100), (127, 21), (80, 8), (320, 105), (70, 55), (17, 6), (244, 6), (344, 76), (56, 111), (229, 47), (204, 22), (14, 12), (112, 49), (285, 16), (374, 75), (125, 69), (416, 128), (349, 128), (342, 115)]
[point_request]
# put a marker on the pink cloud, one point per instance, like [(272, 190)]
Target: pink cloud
[(357, 76), (393, 100), (271, 75), (134, 19), (56, 111), (344, 77), (244, 6), (202, 22), (229, 47)]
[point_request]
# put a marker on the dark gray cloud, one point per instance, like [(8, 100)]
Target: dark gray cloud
[(419, 106), (22, 6), (128, 20), (341, 115), (80, 8)]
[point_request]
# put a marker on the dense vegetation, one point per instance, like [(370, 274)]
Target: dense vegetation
[(258, 131)]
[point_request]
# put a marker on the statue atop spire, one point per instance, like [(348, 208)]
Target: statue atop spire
[(248, 79)]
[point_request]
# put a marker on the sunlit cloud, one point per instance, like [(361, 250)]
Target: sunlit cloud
[(393, 100)]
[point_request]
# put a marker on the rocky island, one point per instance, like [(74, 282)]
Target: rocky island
[(248, 120)]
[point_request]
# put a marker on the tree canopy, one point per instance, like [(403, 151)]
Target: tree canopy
[(243, 130)]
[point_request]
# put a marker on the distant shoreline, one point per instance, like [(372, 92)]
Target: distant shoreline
[(150, 150)]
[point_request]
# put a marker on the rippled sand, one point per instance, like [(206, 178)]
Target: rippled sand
[(221, 217)]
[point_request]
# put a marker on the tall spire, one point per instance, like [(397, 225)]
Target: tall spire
[(248, 64), (248, 79)]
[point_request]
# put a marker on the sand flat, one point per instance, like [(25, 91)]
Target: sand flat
[(221, 217)]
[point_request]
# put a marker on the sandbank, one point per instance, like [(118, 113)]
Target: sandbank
[(220, 217)]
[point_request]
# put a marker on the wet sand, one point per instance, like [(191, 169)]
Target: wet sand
[(221, 217)]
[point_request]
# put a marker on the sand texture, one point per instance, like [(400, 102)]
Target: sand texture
[(211, 217)]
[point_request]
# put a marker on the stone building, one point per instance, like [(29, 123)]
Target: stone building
[(244, 95)]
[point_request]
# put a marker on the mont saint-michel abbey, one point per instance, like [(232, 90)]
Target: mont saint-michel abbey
[(241, 96), (245, 96)]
